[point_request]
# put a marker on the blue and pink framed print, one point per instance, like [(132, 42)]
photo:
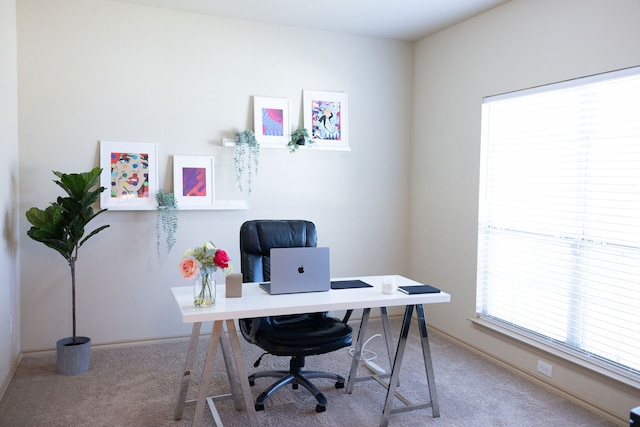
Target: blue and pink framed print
[(193, 182), (271, 121)]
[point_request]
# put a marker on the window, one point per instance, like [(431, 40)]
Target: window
[(559, 219)]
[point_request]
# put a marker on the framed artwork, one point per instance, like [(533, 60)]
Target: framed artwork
[(271, 120), (193, 182), (129, 174), (325, 116)]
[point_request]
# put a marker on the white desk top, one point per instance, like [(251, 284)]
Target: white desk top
[(257, 303)]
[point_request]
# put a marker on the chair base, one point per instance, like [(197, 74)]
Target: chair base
[(295, 376)]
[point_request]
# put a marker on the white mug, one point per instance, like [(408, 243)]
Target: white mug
[(388, 285)]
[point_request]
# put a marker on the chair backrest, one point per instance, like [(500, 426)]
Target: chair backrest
[(257, 237)]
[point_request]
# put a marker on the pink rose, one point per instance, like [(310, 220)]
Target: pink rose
[(189, 268), (221, 259)]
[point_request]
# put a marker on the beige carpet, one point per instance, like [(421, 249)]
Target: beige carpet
[(138, 385)]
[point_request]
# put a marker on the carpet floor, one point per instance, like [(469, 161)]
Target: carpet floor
[(138, 385)]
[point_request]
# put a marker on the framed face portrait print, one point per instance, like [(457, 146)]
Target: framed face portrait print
[(129, 174)]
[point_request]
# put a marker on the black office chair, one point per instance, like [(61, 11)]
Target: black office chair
[(295, 336)]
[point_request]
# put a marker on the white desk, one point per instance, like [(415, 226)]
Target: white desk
[(256, 303)]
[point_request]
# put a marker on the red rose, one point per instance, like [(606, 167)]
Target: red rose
[(221, 259)]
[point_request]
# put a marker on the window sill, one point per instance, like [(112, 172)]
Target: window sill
[(583, 360)]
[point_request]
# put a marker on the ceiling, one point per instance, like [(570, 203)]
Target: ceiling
[(394, 19)]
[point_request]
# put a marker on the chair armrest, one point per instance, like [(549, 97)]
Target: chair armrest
[(249, 328), (287, 319), (347, 316)]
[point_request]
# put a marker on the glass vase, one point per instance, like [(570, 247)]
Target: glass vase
[(204, 291)]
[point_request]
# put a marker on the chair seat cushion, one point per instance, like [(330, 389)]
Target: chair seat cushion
[(305, 336)]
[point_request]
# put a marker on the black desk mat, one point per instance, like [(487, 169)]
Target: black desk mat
[(349, 284)]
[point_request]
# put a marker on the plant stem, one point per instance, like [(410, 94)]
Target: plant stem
[(72, 264)]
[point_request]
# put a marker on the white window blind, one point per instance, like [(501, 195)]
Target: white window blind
[(559, 219)]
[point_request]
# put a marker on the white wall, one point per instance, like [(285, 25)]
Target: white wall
[(9, 293), (93, 70), (521, 44)]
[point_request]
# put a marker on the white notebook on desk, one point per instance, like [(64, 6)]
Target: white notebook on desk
[(297, 270)]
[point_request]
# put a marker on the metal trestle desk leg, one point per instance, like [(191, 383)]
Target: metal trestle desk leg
[(217, 336), (397, 364)]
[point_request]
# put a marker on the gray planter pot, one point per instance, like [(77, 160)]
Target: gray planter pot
[(72, 358)]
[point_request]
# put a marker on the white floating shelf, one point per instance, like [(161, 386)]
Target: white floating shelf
[(230, 205), (220, 205), (227, 142)]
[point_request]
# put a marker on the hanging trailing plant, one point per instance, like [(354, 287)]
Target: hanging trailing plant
[(167, 219), (299, 137), (246, 159)]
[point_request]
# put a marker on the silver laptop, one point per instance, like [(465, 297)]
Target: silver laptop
[(296, 270)]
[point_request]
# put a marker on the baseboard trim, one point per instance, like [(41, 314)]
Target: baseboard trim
[(159, 340), (12, 371), (117, 344)]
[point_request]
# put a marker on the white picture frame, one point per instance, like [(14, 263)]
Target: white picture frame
[(271, 121), (194, 181), (326, 118), (129, 174)]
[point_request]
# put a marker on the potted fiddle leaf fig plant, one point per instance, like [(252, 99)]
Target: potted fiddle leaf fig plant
[(246, 158), (61, 227), (298, 138)]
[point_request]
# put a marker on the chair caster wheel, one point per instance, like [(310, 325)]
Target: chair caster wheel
[(260, 407), (321, 408), (339, 384)]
